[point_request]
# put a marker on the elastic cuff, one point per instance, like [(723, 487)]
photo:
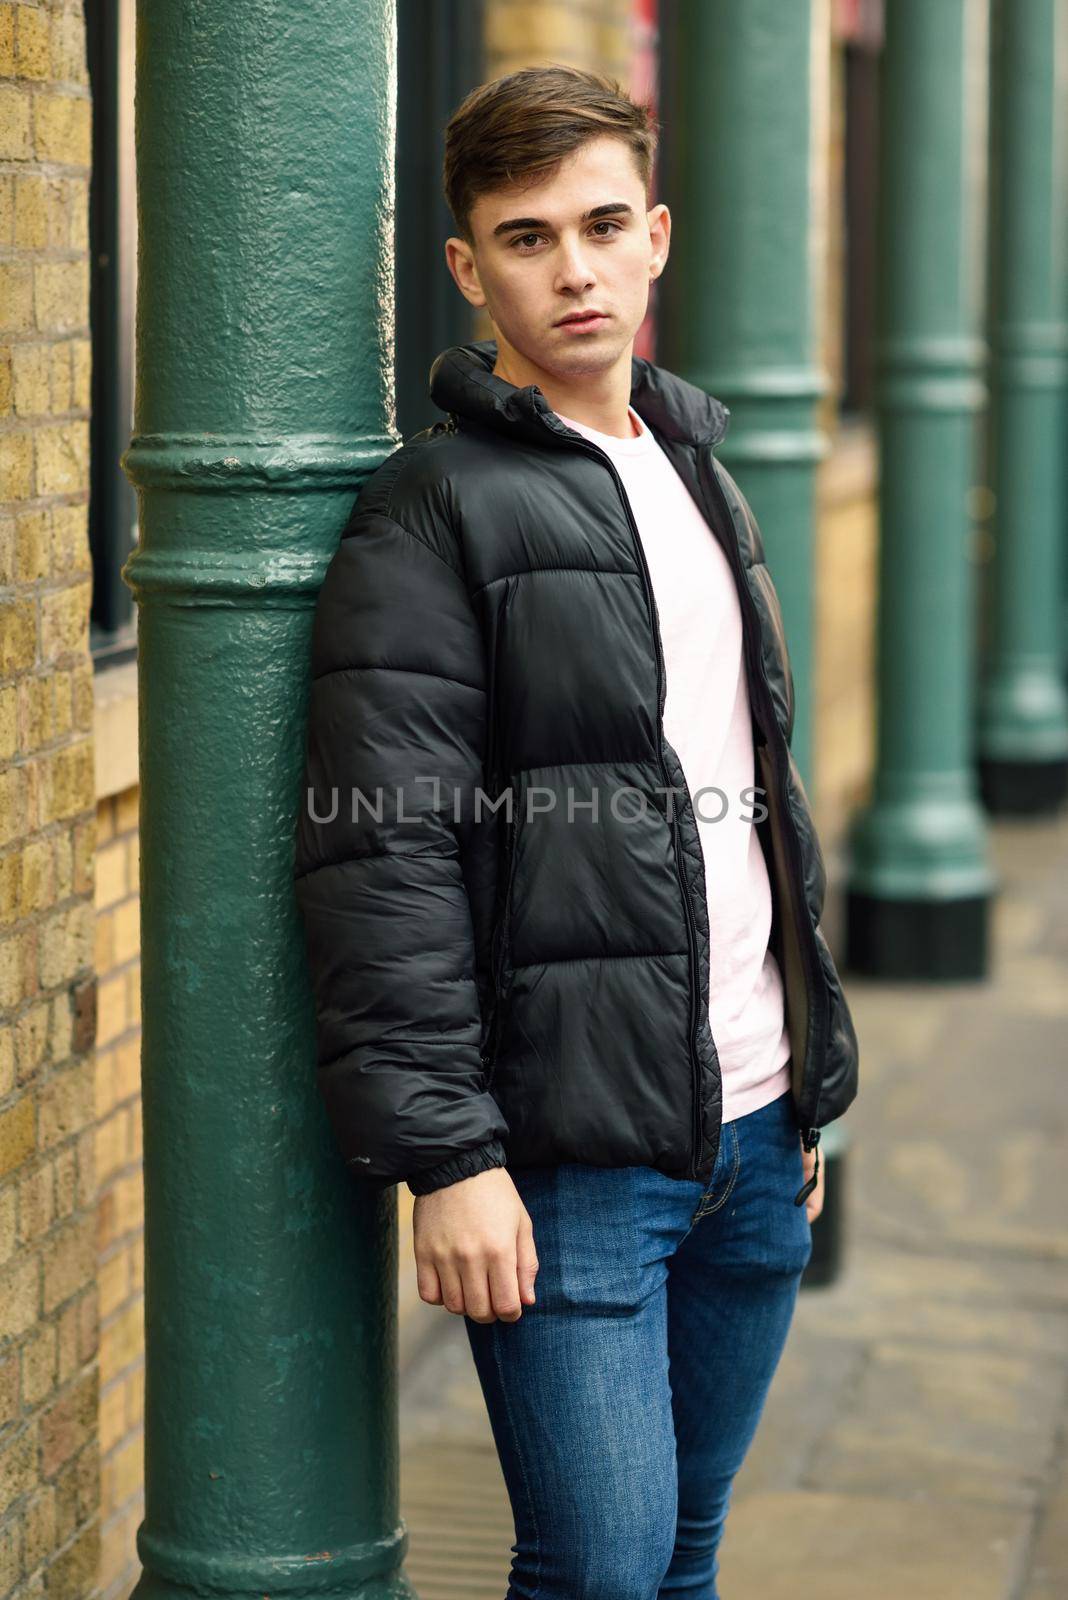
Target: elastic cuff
[(466, 1164)]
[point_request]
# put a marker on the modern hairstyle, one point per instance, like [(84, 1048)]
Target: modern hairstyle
[(525, 123)]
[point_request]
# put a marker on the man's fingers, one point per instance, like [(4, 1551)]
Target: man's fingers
[(428, 1283), (504, 1287), (526, 1260)]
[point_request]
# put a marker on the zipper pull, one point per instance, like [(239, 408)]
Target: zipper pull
[(809, 1141)]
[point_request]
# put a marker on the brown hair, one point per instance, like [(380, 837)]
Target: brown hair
[(524, 124)]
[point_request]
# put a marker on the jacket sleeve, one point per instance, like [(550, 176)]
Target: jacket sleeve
[(397, 700)]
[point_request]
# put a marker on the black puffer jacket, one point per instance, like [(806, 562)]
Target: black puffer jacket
[(533, 990)]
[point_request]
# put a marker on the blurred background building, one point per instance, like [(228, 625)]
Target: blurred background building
[(863, 110)]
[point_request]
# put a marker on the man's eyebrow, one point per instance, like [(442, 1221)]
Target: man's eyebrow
[(528, 224)]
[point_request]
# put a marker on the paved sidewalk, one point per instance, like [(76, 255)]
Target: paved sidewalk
[(915, 1441)]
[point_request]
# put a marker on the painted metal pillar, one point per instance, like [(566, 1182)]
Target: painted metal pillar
[(265, 139), (919, 877), (1023, 707), (743, 93)]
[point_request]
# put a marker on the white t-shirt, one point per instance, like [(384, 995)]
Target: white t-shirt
[(707, 722)]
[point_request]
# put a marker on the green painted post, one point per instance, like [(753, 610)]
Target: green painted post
[(263, 398), (919, 878), (742, 84), (739, 169), (1023, 707)]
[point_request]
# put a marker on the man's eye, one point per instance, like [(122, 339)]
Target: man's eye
[(605, 223), (520, 238)]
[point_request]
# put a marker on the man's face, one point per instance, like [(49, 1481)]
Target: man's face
[(580, 240)]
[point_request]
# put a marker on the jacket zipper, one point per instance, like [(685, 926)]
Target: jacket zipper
[(691, 927), (809, 1135)]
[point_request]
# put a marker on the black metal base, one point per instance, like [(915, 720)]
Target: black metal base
[(912, 940), (1022, 788), (825, 1263)]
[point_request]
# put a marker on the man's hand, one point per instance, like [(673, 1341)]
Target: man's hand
[(474, 1248), (814, 1203)]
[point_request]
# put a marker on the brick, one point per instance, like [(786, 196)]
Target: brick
[(10, 886), (81, 370), (61, 386), (31, 211), (16, 294), (9, 700), (36, 713), (88, 1326), (38, 877), (70, 539), (8, 1232), (7, 391), (7, 1062), (59, 1039), (126, 935), (68, 1261), (39, 1527), (65, 945), (39, 1364), (33, 53), (7, 208), (113, 1283), (68, 1424), (68, 47), (18, 1463), (66, 1171), (112, 1013), (16, 459), (112, 1420), (71, 780), (33, 540), (31, 1041), (19, 1296), (121, 1210), (61, 294), (62, 128), (122, 1341), (82, 846), (122, 1471), (17, 1135), (66, 621), (110, 1146), (72, 1575), (62, 458), (127, 1070), (15, 144), (18, 636), (65, 1104), (127, 815), (7, 40), (37, 1202), (31, 367), (9, 1385), (112, 881)]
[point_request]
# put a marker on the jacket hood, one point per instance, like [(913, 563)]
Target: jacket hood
[(462, 381)]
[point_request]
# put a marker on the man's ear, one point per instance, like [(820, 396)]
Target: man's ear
[(460, 260)]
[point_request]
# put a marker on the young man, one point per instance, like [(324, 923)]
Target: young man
[(558, 873)]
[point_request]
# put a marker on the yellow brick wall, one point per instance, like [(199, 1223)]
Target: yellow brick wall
[(120, 1204), (49, 1385)]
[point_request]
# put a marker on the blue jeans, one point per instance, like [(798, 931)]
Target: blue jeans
[(623, 1401)]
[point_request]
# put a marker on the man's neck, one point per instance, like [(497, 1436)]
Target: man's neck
[(601, 400)]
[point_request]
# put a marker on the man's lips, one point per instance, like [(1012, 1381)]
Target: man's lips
[(583, 319)]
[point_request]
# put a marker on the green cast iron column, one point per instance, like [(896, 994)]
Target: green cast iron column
[(919, 880), (263, 397), (741, 80), (1023, 708), (742, 86)]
